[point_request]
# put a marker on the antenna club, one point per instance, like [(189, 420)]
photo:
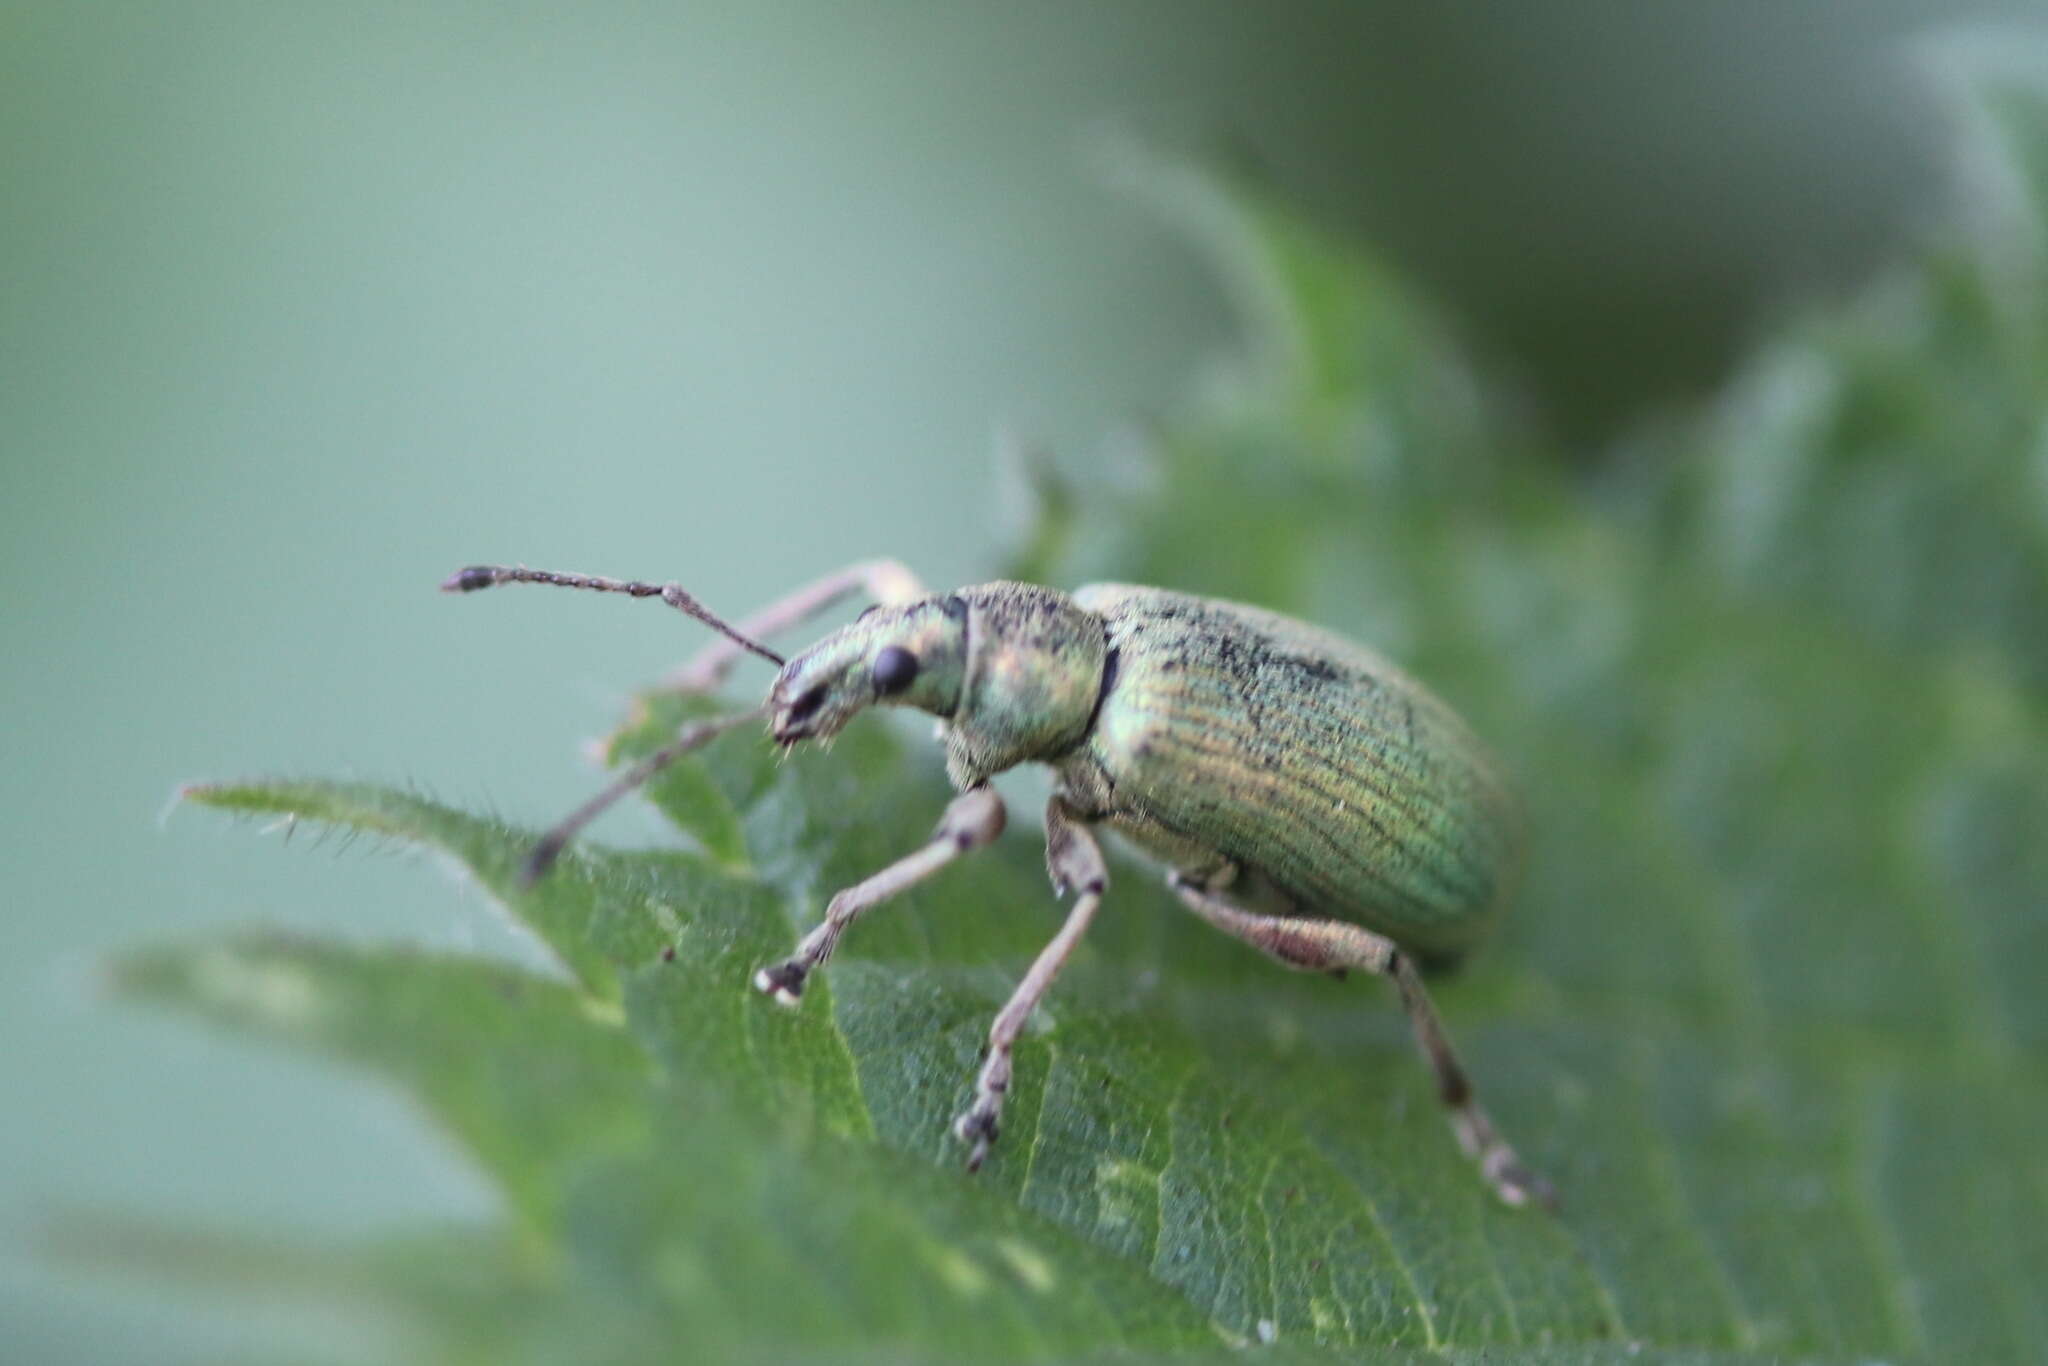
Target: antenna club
[(470, 579)]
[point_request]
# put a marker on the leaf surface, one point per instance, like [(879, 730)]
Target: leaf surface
[(1775, 689)]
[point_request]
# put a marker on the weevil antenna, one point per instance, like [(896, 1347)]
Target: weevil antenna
[(490, 575), (693, 736)]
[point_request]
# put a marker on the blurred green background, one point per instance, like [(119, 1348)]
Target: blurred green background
[(303, 306)]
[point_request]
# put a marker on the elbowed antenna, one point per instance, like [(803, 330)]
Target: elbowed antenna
[(489, 575)]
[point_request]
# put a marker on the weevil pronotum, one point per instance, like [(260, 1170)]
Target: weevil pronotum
[(1304, 795)]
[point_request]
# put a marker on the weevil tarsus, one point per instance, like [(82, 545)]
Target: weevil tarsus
[(972, 821), (1509, 1176), (1312, 945), (1076, 862)]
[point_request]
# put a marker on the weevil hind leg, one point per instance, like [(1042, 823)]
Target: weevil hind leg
[(972, 819), (1333, 946), (1074, 860), (886, 581)]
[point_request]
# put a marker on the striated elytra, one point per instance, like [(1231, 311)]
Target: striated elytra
[(1304, 795)]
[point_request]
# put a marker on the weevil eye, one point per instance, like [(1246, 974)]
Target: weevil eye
[(895, 670)]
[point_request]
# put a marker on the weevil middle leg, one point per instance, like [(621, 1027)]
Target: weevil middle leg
[(1074, 860), (972, 819), (1314, 945)]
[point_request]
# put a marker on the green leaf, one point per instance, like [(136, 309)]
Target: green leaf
[(653, 1209), (1774, 685), (538, 1082)]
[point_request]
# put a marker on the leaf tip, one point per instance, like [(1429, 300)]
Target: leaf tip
[(208, 794)]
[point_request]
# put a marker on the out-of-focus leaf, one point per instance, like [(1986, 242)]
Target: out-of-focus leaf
[(1767, 1013), (674, 1183)]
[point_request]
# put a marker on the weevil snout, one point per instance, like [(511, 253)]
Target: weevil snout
[(904, 656), (819, 691), (797, 710)]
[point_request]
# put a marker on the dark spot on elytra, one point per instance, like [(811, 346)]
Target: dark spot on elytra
[(1322, 670)]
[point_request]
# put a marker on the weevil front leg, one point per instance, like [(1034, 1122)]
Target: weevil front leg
[(1335, 945), (972, 819), (1075, 862), (886, 581), (694, 736)]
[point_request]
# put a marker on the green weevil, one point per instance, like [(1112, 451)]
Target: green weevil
[(1304, 794)]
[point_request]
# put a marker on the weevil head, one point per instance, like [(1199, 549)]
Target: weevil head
[(908, 656), (1015, 671)]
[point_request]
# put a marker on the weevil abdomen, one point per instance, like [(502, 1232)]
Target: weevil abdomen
[(1299, 756)]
